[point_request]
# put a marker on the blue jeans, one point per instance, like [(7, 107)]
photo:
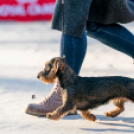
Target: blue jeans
[(113, 35)]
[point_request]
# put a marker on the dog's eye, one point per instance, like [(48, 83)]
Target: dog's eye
[(50, 65)]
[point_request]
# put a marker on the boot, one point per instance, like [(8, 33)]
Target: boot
[(49, 104)]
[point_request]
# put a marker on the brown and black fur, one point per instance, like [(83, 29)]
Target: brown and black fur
[(84, 93)]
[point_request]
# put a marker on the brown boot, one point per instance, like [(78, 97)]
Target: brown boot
[(48, 104)]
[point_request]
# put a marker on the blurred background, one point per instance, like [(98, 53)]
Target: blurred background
[(26, 43)]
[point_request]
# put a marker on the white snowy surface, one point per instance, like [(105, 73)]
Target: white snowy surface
[(24, 48)]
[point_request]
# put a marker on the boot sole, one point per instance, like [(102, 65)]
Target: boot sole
[(38, 113)]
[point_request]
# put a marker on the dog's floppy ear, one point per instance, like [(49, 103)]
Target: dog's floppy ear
[(53, 70), (60, 64), (57, 64)]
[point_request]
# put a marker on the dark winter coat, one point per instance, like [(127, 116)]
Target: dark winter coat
[(78, 12)]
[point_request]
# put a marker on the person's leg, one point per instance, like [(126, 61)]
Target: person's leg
[(75, 50), (117, 37), (113, 35)]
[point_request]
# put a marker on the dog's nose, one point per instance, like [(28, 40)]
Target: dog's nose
[(38, 76)]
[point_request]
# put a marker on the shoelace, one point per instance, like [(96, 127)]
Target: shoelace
[(51, 94)]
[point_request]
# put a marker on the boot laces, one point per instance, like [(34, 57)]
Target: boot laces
[(52, 93)]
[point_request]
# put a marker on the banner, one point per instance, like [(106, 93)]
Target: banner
[(26, 10)]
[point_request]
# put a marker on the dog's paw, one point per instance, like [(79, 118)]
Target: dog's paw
[(52, 116), (107, 114), (49, 115), (92, 118)]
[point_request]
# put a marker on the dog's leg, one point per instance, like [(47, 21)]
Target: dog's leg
[(60, 112), (119, 103), (86, 115)]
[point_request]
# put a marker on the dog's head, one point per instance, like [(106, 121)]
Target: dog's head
[(48, 75)]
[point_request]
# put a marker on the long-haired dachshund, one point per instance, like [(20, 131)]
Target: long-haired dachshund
[(84, 93)]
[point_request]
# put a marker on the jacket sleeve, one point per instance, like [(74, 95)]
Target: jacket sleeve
[(75, 16)]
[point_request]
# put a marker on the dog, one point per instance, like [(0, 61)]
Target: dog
[(84, 93)]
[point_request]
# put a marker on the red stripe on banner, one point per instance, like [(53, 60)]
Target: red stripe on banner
[(26, 10)]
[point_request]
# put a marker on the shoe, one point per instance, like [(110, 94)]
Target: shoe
[(49, 104)]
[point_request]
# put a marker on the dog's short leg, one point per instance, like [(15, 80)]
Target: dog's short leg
[(119, 103), (86, 115), (60, 112)]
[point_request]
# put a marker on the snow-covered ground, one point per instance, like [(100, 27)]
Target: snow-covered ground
[(24, 47)]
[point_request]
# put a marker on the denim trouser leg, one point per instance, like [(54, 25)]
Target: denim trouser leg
[(75, 49), (114, 35)]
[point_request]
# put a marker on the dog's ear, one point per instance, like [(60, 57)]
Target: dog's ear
[(53, 70), (57, 64), (60, 64)]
